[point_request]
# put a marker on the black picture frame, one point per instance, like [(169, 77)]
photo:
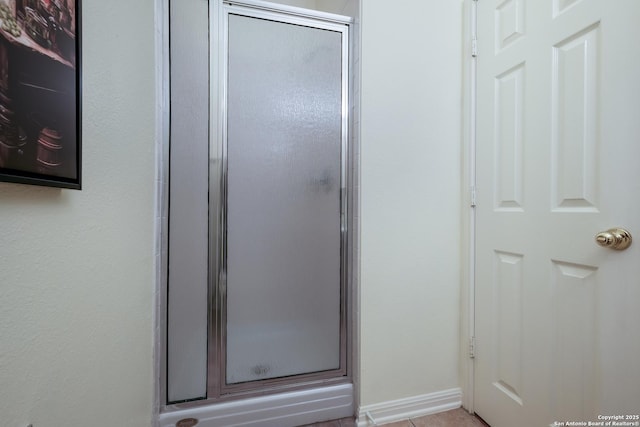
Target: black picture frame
[(41, 92)]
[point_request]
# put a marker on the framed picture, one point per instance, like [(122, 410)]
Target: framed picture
[(40, 92)]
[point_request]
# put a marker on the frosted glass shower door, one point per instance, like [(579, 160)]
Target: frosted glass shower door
[(283, 243)]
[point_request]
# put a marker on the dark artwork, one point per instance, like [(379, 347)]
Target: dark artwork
[(39, 92)]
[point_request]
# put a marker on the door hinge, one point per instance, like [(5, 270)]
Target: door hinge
[(472, 347), (474, 47), (472, 196)]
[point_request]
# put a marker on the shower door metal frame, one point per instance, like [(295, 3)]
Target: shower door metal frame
[(217, 388)]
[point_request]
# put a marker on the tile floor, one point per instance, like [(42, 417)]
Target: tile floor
[(455, 418)]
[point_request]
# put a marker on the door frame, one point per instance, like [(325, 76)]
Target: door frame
[(161, 208), (468, 214)]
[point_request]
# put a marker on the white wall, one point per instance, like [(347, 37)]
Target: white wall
[(410, 198), (77, 267), (341, 7), (307, 4)]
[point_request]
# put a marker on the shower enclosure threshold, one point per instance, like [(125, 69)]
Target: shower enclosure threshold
[(277, 410)]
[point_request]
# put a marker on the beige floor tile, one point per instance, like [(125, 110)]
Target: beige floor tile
[(455, 418)]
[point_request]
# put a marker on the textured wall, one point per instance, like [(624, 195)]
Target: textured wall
[(410, 181), (308, 4), (77, 267), (342, 7)]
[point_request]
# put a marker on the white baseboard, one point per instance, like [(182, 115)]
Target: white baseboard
[(403, 409), (278, 410)]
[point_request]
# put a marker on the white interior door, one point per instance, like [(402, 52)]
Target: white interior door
[(557, 316)]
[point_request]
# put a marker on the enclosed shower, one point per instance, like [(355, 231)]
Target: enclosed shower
[(259, 221)]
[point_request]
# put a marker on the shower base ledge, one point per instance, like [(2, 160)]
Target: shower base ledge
[(289, 409)]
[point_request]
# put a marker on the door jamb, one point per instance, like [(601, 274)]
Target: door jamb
[(159, 309), (468, 219)]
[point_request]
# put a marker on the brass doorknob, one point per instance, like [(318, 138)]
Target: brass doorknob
[(614, 238)]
